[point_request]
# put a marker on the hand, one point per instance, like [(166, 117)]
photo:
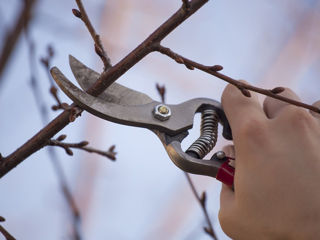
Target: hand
[(277, 177)]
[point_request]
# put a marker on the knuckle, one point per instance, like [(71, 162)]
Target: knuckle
[(298, 118), (230, 93), (253, 128)]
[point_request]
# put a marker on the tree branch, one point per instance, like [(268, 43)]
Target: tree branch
[(105, 80), (243, 87)]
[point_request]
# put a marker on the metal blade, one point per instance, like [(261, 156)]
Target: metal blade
[(116, 93)]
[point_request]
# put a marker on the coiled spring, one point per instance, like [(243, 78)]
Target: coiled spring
[(208, 134)]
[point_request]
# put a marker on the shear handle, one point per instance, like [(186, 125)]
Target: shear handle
[(217, 168)]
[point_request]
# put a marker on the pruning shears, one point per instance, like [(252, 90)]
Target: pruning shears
[(170, 123)]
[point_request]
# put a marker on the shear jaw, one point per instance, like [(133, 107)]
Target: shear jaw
[(115, 104)]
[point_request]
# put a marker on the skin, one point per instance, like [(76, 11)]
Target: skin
[(277, 177)]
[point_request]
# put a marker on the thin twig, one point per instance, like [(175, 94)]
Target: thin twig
[(162, 92), (23, 19), (243, 87), (82, 14), (202, 201), (46, 63), (4, 232), (83, 146)]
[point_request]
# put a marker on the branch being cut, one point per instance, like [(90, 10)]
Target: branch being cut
[(105, 80), (98, 47), (243, 87)]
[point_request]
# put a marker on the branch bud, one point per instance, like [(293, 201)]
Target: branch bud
[(83, 143), (277, 90), (245, 92), (54, 107), (62, 137), (69, 151), (76, 13), (73, 115), (216, 68), (189, 66), (203, 198), (179, 60), (111, 149), (53, 90)]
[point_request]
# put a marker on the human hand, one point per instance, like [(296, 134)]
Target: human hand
[(277, 177)]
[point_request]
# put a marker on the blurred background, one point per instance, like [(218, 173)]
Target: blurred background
[(142, 195)]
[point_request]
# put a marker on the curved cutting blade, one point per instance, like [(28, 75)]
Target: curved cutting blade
[(116, 93)]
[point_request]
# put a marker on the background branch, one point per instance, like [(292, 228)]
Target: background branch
[(57, 167), (12, 36), (4, 232), (202, 201)]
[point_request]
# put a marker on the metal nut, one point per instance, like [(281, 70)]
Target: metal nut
[(162, 112)]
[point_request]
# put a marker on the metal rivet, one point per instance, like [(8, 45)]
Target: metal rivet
[(162, 112), (163, 109), (220, 154)]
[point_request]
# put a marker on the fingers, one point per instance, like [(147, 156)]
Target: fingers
[(273, 107), (239, 108)]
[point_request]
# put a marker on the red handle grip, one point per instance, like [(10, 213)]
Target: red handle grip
[(226, 173)]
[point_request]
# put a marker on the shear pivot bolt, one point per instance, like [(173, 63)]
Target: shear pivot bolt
[(162, 112)]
